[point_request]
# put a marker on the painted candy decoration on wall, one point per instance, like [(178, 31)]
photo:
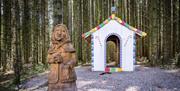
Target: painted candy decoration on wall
[(113, 17)]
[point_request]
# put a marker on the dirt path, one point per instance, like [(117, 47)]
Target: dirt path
[(142, 79)]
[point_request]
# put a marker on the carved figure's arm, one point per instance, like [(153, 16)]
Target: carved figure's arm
[(72, 62)]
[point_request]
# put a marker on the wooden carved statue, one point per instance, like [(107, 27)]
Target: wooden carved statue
[(62, 59)]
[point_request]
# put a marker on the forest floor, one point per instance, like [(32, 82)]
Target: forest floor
[(142, 79)]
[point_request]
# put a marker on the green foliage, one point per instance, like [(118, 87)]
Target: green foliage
[(31, 71), (27, 73), (111, 55)]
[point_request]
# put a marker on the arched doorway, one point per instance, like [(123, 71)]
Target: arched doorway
[(112, 51)]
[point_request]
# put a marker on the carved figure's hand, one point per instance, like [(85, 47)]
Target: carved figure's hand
[(55, 58)]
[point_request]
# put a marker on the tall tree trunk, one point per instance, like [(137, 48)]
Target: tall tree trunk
[(70, 3), (44, 29), (1, 35), (76, 26), (35, 31), (17, 63), (176, 28), (7, 33), (161, 31), (57, 11), (167, 34), (26, 31), (80, 32)]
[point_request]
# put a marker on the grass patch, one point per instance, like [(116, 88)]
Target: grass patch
[(7, 81)]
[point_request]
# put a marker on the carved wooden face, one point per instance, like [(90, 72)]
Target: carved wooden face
[(60, 33)]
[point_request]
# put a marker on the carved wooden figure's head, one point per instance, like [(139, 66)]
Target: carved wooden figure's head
[(60, 34)]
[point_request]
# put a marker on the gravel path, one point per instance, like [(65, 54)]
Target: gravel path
[(142, 79)]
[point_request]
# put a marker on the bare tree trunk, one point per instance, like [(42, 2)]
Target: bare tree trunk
[(76, 26), (7, 34), (35, 32), (80, 32), (26, 31), (1, 35), (44, 29), (167, 33), (17, 63), (57, 11), (69, 17)]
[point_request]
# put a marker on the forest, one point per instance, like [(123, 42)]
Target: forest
[(26, 27)]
